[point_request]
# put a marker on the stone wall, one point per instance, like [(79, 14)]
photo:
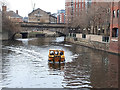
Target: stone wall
[(5, 35), (88, 43), (41, 16), (38, 16)]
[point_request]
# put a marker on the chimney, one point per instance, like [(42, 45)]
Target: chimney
[(4, 8), (16, 11)]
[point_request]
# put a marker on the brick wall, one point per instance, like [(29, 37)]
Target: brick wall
[(115, 23)]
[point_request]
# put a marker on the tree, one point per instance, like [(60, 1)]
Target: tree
[(99, 16), (9, 26), (95, 16)]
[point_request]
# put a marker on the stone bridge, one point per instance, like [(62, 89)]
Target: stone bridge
[(59, 28)]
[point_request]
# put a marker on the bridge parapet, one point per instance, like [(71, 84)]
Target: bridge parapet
[(30, 27), (47, 25)]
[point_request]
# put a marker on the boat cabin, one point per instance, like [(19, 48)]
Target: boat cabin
[(56, 56)]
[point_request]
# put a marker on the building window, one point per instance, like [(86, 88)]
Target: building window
[(83, 35), (38, 19), (113, 13), (105, 39), (118, 13), (74, 35), (115, 32), (70, 34)]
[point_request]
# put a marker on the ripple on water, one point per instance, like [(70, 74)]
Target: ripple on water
[(27, 67)]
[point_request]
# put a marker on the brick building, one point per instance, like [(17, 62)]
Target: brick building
[(73, 8), (14, 17), (61, 16), (41, 16), (114, 28)]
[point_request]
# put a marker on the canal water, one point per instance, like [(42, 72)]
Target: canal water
[(25, 65)]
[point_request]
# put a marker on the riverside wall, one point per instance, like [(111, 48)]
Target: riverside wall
[(89, 43)]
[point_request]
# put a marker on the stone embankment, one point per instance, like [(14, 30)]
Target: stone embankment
[(88, 43)]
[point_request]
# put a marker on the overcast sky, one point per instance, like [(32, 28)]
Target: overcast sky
[(26, 6)]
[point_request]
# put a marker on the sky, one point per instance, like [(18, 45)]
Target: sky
[(26, 6)]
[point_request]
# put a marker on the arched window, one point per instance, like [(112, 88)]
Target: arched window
[(118, 13), (113, 13)]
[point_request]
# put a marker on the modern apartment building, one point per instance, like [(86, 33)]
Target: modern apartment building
[(61, 16), (74, 7)]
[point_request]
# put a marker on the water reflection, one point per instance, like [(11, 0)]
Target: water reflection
[(56, 66), (25, 65), (92, 68)]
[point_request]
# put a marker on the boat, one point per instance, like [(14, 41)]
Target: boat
[(56, 56)]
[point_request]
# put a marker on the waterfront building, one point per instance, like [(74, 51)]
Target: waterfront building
[(14, 17), (74, 7), (41, 16), (115, 28), (107, 31)]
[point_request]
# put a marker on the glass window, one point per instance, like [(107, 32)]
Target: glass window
[(56, 52), (51, 52), (113, 13), (61, 53), (118, 13), (115, 32)]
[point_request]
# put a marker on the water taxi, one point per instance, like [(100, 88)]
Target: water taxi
[(56, 56)]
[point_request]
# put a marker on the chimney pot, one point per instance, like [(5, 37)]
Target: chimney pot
[(16, 11), (4, 8)]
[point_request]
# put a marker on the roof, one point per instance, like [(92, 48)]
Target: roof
[(36, 10), (13, 14), (49, 13)]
